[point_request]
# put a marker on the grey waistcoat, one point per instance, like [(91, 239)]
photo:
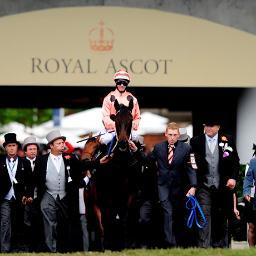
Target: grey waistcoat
[(213, 177), (55, 182)]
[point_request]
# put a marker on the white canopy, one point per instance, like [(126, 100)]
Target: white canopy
[(152, 124), (79, 123), (84, 122), (20, 129)]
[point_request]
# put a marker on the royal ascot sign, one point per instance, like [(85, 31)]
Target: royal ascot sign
[(86, 45), (101, 39), (86, 66)]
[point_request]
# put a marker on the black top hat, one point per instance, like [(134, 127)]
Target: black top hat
[(10, 138), (211, 121)]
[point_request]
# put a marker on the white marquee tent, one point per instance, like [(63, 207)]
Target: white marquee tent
[(21, 131), (84, 122)]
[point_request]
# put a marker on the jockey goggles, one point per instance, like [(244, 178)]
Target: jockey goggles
[(122, 82)]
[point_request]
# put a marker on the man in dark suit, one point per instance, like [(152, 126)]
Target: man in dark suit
[(217, 170), (15, 190), (32, 214), (176, 178), (57, 179)]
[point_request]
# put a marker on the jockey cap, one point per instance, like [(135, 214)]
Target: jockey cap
[(121, 75)]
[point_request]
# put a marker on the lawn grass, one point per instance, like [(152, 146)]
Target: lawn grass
[(156, 252)]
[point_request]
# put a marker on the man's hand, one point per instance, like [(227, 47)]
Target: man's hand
[(29, 200), (24, 200), (105, 159), (132, 146), (231, 183), (237, 214), (191, 192), (88, 174), (247, 198)]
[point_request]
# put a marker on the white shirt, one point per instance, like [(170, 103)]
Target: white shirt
[(32, 163), (12, 168), (82, 207)]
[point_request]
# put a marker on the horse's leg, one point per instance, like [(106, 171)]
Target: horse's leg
[(98, 214)]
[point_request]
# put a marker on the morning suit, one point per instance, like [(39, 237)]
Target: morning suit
[(58, 192), (12, 189), (173, 180), (214, 169), (33, 217)]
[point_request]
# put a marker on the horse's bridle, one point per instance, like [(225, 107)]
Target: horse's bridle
[(94, 154)]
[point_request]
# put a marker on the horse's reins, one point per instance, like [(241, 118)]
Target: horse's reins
[(110, 150), (98, 135), (94, 156)]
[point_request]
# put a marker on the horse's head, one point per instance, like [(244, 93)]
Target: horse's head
[(91, 147), (123, 122)]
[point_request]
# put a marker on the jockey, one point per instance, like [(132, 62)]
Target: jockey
[(122, 79)]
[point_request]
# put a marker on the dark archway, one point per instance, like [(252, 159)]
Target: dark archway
[(200, 101)]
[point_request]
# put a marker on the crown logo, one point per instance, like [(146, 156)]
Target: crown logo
[(101, 38)]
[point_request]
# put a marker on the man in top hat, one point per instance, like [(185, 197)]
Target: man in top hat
[(217, 164), (31, 149), (15, 189), (58, 178), (32, 214), (184, 137)]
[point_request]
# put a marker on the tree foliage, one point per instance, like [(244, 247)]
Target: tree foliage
[(26, 116)]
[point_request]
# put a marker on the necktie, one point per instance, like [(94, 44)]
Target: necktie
[(170, 153), (33, 165), (12, 162), (212, 145), (58, 163)]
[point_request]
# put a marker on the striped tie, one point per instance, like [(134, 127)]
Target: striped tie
[(170, 153)]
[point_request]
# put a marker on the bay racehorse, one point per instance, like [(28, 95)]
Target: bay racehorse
[(114, 184)]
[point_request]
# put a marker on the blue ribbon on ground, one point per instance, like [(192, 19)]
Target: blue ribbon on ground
[(195, 213)]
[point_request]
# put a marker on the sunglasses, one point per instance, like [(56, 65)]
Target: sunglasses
[(122, 82)]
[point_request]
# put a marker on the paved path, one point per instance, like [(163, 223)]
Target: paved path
[(239, 245)]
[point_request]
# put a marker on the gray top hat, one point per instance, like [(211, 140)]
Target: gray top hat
[(31, 140), (54, 135), (183, 134)]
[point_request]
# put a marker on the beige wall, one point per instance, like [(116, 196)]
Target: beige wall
[(53, 47)]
